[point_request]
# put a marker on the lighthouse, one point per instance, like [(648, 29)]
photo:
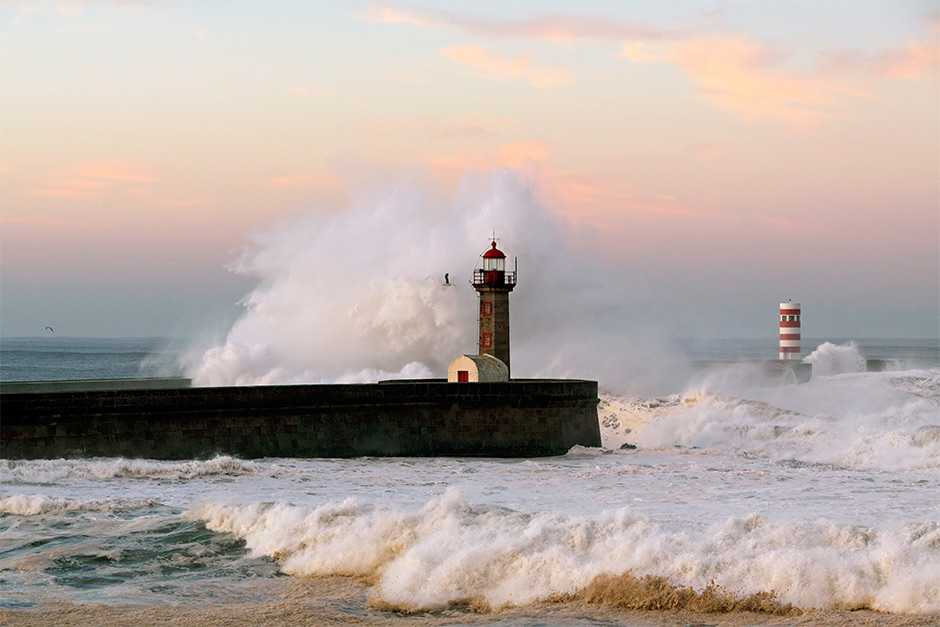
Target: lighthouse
[(493, 283), (789, 330)]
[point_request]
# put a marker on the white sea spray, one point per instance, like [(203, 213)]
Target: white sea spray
[(357, 294)]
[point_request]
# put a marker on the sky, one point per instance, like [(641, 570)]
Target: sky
[(698, 162)]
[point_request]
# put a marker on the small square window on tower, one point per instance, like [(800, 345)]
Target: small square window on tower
[(486, 341), (486, 308)]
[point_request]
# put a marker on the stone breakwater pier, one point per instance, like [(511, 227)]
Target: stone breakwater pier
[(517, 418)]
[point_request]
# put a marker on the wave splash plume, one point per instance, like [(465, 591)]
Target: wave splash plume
[(358, 295)]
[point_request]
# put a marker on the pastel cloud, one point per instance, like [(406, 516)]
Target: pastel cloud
[(635, 53), (745, 77), (748, 78), (299, 180), (608, 204), (494, 68), (515, 155), (559, 28), (732, 72), (914, 61), (911, 62), (466, 128), (91, 179)]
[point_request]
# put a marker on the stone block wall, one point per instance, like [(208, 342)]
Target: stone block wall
[(519, 418)]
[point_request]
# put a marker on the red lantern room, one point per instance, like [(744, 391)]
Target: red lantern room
[(494, 259), (493, 272)]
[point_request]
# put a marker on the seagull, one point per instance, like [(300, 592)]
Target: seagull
[(447, 279), (50, 328)]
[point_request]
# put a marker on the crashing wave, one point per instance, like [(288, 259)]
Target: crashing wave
[(39, 504), (452, 552), (53, 471)]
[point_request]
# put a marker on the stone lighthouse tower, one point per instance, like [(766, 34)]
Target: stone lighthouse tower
[(494, 284)]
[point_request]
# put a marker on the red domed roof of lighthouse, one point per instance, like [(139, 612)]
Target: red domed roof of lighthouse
[(494, 253)]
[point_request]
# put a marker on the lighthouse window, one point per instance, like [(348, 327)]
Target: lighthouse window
[(486, 308), (486, 341)]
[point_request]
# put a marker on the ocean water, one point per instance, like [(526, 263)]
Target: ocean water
[(822, 496)]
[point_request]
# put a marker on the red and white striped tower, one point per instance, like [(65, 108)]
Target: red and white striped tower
[(789, 330)]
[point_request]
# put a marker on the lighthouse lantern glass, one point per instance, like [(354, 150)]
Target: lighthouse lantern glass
[(494, 263)]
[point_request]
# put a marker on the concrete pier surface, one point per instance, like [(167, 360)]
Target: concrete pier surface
[(169, 420)]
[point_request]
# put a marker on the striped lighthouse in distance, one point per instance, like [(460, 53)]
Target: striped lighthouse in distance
[(789, 330)]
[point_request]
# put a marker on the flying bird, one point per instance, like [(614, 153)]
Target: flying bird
[(50, 328), (447, 279)]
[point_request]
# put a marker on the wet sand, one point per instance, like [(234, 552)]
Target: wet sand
[(343, 601)]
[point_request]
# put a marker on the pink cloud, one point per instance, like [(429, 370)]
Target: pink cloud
[(91, 179), (299, 180), (607, 203), (732, 72), (113, 171), (515, 155), (634, 51), (494, 68), (738, 75), (913, 61), (559, 28), (467, 128)]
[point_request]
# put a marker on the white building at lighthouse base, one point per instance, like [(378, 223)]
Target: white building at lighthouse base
[(477, 369)]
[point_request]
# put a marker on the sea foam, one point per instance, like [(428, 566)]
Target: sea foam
[(39, 471), (452, 551), (40, 505), (862, 420)]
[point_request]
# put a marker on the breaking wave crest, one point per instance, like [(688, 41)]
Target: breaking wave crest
[(40, 505), (452, 552), (58, 470)]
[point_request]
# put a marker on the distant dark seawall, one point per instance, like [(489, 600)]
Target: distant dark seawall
[(520, 418)]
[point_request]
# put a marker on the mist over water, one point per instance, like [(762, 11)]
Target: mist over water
[(358, 295)]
